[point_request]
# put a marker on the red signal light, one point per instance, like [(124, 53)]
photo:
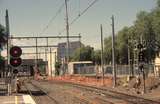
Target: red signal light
[(15, 51), (15, 62)]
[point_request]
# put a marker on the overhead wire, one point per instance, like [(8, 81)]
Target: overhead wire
[(85, 10), (53, 18), (79, 15)]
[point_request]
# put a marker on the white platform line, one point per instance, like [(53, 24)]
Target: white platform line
[(28, 99)]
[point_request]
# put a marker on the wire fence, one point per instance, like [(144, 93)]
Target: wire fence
[(149, 69)]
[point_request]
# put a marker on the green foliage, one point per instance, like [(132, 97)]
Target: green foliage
[(85, 53), (57, 65), (2, 37), (122, 46), (97, 57), (108, 49), (158, 3), (1, 58), (147, 26), (57, 68)]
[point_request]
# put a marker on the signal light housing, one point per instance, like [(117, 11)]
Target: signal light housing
[(15, 62), (15, 53), (141, 56)]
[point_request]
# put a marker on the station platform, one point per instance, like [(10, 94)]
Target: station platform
[(17, 99)]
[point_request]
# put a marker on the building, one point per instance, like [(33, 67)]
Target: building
[(62, 49), (81, 67), (28, 67), (59, 54)]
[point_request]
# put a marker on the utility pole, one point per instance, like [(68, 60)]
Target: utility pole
[(129, 62), (102, 61), (51, 62), (79, 39), (80, 45), (36, 60), (8, 47), (46, 59), (67, 31), (113, 53)]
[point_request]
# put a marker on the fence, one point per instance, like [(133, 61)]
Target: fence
[(120, 70)]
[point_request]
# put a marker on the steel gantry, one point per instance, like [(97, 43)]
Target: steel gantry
[(36, 46)]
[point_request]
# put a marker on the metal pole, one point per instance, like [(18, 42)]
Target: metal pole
[(51, 61), (45, 54), (8, 35), (8, 47), (113, 53), (144, 84), (80, 46), (80, 40), (102, 61), (47, 42), (46, 71), (67, 30), (55, 56), (129, 63), (36, 61)]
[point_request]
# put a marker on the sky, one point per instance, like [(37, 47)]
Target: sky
[(30, 17)]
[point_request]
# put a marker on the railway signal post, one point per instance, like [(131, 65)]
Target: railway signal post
[(141, 60), (15, 61)]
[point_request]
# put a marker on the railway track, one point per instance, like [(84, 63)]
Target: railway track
[(107, 93), (39, 95), (129, 99), (80, 97)]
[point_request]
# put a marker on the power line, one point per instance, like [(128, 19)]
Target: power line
[(79, 15), (53, 18), (85, 10)]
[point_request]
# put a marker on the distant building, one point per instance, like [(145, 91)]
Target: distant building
[(59, 54), (81, 67), (28, 65), (62, 49)]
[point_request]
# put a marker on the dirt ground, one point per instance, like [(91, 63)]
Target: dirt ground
[(124, 84), (152, 86)]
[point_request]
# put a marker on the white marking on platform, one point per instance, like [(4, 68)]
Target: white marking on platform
[(28, 99), (16, 100)]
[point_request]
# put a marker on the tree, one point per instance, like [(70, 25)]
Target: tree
[(156, 26), (3, 37), (146, 27), (85, 53), (2, 43), (57, 68), (158, 3), (108, 50), (97, 57), (122, 46)]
